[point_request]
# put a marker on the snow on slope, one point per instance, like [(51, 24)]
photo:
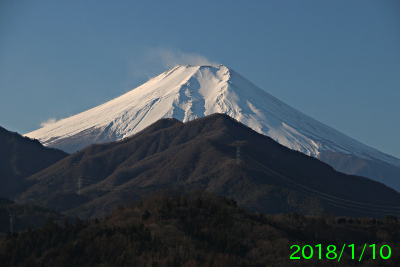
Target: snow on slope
[(189, 92)]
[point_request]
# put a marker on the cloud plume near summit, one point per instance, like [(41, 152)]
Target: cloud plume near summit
[(170, 58), (152, 61), (48, 122)]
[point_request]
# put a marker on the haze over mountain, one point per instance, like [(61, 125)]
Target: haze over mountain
[(215, 153), (189, 92)]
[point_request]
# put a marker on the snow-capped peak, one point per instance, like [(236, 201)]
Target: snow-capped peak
[(187, 92)]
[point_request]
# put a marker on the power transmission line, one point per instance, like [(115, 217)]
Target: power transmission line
[(340, 202)]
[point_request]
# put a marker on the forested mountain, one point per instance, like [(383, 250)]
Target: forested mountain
[(215, 153), (23, 216), (171, 228)]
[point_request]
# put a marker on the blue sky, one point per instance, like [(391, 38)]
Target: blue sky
[(336, 61)]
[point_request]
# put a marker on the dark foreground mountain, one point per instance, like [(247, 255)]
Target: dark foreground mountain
[(21, 157), (200, 229), (214, 153), (24, 216)]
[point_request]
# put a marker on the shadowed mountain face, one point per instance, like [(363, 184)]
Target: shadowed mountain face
[(214, 153), (21, 157), (189, 92)]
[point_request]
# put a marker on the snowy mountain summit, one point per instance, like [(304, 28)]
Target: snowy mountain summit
[(189, 92)]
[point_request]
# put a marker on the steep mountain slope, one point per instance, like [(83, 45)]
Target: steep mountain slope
[(189, 92), (214, 153), (21, 157)]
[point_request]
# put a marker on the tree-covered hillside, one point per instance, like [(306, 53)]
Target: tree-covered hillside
[(171, 228)]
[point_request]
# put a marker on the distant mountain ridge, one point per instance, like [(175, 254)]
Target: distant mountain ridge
[(190, 92), (214, 153)]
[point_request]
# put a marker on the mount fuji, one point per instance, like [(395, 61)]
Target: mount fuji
[(188, 92)]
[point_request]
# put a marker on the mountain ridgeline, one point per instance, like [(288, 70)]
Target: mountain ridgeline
[(214, 153), (189, 92)]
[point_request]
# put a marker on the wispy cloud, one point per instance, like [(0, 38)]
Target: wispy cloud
[(170, 58), (48, 122), (150, 62)]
